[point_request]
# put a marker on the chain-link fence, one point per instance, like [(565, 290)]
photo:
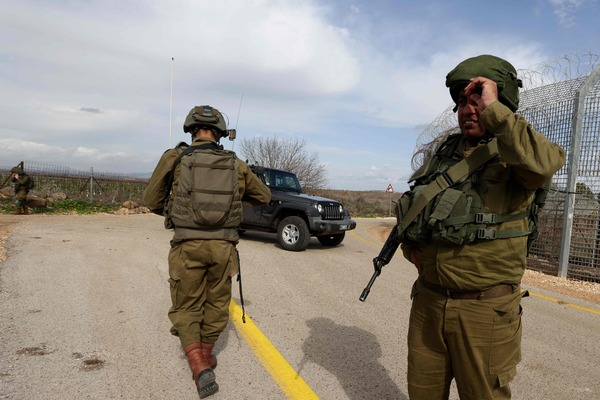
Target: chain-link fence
[(568, 113), (77, 184), (562, 100)]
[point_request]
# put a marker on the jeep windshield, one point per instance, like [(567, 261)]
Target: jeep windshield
[(281, 180)]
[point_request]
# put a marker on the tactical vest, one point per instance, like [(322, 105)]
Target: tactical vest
[(205, 204), (456, 213)]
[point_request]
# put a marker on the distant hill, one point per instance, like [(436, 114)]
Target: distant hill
[(371, 203)]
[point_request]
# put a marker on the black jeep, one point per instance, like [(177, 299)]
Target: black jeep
[(294, 215)]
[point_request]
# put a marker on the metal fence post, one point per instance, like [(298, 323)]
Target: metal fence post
[(573, 165), (91, 184)]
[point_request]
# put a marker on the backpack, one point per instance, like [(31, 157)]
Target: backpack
[(31, 183), (207, 192)]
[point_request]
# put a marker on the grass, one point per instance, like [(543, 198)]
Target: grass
[(359, 203), (68, 206)]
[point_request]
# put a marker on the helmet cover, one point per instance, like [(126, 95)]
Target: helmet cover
[(495, 68), (204, 116)]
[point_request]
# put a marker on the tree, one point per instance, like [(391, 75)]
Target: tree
[(288, 155)]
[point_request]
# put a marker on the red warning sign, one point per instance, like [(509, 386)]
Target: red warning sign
[(389, 189)]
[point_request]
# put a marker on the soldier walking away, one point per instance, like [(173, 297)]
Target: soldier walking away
[(199, 189), (22, 184), (473, 200)]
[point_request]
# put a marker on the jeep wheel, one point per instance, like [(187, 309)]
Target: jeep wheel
[(332, 240), (293, 233)]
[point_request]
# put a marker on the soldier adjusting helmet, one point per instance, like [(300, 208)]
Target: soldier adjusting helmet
[(500, 71)]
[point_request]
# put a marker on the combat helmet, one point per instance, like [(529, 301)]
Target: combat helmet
[(495, 68), (207, 117), (16, 170)]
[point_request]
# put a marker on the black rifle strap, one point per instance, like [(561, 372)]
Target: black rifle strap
[(239, 279)]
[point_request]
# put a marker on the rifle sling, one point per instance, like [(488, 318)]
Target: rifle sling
[(455, 174)]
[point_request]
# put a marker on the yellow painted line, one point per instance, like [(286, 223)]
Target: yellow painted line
[(288, 380), (541, 296), (380, 245), (590, 310)]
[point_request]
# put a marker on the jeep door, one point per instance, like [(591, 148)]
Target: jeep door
[(257, 215)]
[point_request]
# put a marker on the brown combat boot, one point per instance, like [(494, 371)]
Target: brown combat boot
[(26, 210), (207, 354), (18, 211), (203, 375)]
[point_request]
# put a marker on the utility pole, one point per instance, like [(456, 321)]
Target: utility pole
[(171, 102)]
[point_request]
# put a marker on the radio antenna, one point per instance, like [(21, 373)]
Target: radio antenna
[(171, 102), (238, 117)]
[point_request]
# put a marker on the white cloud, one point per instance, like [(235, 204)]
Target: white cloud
[(405, 93), (117, 60), (13, 150), (92, 82), (564, 10)]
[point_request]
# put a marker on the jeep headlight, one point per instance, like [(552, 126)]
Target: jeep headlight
[(319, 208), (341, 210)]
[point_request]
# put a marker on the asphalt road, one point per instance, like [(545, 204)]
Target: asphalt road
[(83, 303)]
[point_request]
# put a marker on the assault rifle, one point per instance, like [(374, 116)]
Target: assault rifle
[(6, 180), (10, 175), (385, 256)]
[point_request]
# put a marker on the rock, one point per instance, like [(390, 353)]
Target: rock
[(130, 205), (57, 196)]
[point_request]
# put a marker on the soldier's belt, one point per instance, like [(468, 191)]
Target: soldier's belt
[(496, 291)]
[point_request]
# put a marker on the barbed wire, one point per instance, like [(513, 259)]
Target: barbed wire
[(543, 83), (563, 68)]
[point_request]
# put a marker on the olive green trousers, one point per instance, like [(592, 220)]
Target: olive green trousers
[(200, 274), (21, 198), (475, 342)]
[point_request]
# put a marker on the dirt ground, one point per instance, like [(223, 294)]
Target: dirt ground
[(5, 228), (588, 291)]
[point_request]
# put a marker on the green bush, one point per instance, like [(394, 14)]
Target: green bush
[(72, 206)]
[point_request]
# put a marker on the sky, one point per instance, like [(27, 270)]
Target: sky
[(107, 84)]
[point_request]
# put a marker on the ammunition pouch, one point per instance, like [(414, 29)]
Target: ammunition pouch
[(444, 204), (417, 230), (456, 217)]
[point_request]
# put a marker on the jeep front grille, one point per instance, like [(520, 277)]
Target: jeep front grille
[(331, 211)]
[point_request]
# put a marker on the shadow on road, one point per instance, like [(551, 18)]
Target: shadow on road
[(351, 354)]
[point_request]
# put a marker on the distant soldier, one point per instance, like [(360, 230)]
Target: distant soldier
[(199, 189), (22, 184)]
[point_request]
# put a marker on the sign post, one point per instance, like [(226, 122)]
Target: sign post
[(390, 190)]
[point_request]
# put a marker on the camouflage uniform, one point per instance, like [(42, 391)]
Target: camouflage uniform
[(200, 269), (465, 321), (21, 187)]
